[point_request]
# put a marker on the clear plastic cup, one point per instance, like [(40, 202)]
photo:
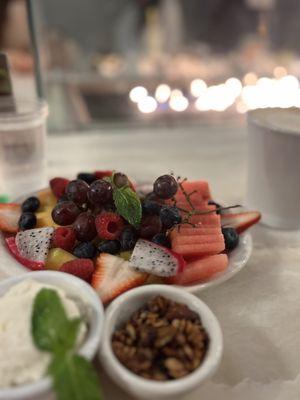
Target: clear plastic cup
[(23, 148)]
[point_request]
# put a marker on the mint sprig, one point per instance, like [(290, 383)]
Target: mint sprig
[(128, 205), (52, 331)]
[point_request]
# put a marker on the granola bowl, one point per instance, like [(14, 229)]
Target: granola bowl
[(121, 310)]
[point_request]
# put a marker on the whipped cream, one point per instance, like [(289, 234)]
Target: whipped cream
[(20, 361)]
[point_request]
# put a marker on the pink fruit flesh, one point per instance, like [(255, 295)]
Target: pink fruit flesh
[(197, 239), (201, 230), (209, 219), (192, 250), (33, 265), (241, 221), (201, 187), (200, 270)]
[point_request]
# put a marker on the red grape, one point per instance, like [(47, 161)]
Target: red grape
[(77, 191), (84, 227), (100, 192), (165, 186), (65, 213)]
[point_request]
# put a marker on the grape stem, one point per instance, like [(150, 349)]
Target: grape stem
[(193, 211)]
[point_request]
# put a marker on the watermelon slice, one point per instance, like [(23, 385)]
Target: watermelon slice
[(199, 249), (206, 219), (201, 188), (197, 231), (12, 246), (241, 221), (196, 239), (200, 270)]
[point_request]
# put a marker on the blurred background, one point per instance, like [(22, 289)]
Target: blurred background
[(127, 63)]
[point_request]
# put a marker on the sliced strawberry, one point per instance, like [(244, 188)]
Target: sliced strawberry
[(241, 221), (113, 277), (103, 174), (82, 268), (9, 217), (12, 246)]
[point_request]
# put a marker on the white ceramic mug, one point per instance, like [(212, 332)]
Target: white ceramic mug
[(274, 166)]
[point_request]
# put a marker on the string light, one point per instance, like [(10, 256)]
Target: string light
[(280, 91), (137, 93), (162, 93), (147, 105)]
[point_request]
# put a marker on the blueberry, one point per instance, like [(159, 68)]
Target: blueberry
[(151, 207), (128, 238), (27, 221), (161, 238), (87, 177), (109, 246), (31, 204), (169, 216), (85, 250), (231, 238), (213, 203), (153, 197)]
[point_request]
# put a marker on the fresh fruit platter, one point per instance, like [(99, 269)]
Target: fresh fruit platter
[(116, 236)]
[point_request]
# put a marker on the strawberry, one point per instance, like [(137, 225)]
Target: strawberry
[(103, 174), (9, 217), (58, 186), (109, 225), (113, 276), (240, 221), (82, 268)]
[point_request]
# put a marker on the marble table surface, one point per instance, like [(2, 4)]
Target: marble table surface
[(259, 308)]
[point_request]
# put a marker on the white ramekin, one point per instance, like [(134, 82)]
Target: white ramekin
[(77, 289), (121, 310)]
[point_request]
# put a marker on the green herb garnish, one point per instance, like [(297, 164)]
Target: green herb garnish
[(52, 331), (128, 205)]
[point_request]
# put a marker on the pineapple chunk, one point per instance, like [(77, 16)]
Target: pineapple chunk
[(57, 257)]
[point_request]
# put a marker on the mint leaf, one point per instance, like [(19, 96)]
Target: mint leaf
[(51, 329), (74, 378), (128, 205)]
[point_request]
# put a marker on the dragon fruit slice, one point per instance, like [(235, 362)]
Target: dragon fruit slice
[(34, 244), (33, 265), (155, 259)]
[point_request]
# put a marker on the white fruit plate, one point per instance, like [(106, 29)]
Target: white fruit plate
[(238, 258)]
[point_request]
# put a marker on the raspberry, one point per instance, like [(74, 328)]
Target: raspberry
[(109, 225), (82, 268), (58, 186), (102, 174), (64, 238)]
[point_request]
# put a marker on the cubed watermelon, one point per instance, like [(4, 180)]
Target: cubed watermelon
[(200, 230), (201, 189), (199, 249), (206, 219), (196, 239)]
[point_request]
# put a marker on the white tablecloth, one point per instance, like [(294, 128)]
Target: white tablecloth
[(259, 309)]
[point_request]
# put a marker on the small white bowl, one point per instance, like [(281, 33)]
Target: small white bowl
[(121, 310), (77, 289)]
